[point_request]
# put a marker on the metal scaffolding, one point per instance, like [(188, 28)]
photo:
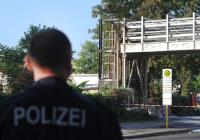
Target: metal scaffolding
[(108, 54), (125, 47)]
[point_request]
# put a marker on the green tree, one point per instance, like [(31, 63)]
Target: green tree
[(88, 59), (195, 84), (25, 40), (11, 66), (155, 9), (184, 68), (11, 61)]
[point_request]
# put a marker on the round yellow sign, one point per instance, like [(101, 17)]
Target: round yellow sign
[(167, 73)]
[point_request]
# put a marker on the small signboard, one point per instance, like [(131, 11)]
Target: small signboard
[(167, 86)]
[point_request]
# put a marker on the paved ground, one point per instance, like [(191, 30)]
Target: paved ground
[(177, 125), (174, 122), (186, 136), (128, 134)]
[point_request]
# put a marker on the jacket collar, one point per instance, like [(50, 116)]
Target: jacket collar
[(50, 81)]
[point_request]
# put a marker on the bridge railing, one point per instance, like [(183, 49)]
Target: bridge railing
[(169, 29)]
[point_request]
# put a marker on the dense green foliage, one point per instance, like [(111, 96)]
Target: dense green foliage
[(154, 9), (185, 69), (11, 61), (179, 100), (81, 88), (87, 61), (195, 84), (11, 64)]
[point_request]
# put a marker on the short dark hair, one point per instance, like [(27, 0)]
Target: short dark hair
[(51, 48)]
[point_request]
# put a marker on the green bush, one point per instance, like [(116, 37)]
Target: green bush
[(113, 102), (179, 100), (155, 89), (106, 90), (120, 97), (78, 87), (115, 99), (105, 100)]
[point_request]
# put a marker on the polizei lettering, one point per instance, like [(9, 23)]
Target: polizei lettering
[(58, 116)]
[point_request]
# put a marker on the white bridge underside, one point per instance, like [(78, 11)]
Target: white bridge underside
[(167, 35), (160, 47)]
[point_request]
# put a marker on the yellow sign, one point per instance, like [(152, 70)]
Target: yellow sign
[(167, 73)]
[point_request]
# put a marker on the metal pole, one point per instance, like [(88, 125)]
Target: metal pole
[(131, 73), (142, 33), (194, 28), (124, 70), (117, 46), (140, 78), (167, 31), (124, 33), (146, 80), (124, 54), (100, 49), (113, 54), (167, 119)]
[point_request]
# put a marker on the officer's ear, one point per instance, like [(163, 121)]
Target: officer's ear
[(27, 63)]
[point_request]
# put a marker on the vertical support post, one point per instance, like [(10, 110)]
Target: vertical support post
[(124, 33), (142, 33), (114, 54), (140, 78), (194, 29), (124, 54), (146, 80), (167, 31), (167, 119), (117, 49), (131, 73), (100, 49), (124, 69)]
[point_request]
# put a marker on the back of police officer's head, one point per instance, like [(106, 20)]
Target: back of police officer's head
[(49, 54)]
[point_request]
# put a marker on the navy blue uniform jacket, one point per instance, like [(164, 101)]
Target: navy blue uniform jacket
[(51, 110)]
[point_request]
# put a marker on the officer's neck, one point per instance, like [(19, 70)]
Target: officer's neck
[(42, 73)]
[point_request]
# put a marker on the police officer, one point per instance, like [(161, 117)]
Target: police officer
[(50, 109)]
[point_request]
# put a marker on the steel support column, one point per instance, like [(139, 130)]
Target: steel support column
[(124, 55), (117, 54), (194, 29), (100, 49), (124, 70), (146, 80)]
